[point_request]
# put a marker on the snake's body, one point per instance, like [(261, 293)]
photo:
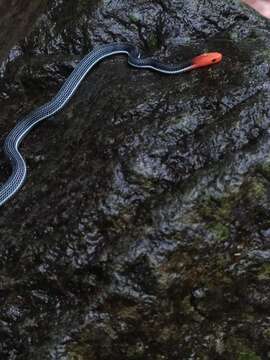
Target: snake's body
[(17, 134)]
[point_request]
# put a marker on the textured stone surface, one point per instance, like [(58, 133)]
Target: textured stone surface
[(143, 229)]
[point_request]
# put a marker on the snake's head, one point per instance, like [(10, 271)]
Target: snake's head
[(206, 59)]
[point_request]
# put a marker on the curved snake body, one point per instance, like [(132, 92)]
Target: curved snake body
[(18, 133)]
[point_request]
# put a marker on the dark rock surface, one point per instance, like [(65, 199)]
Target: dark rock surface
[(143, 229)]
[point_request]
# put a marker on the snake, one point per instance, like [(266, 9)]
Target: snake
[(13, 140)]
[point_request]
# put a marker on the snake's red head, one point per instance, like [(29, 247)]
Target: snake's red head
[(206, 59)]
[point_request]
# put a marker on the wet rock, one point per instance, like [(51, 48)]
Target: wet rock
[(260, 255), (142, 231)]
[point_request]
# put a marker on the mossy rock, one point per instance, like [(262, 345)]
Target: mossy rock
[(264, 272), (220, 231), (241, 350), (248, 356), (153, 41)]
